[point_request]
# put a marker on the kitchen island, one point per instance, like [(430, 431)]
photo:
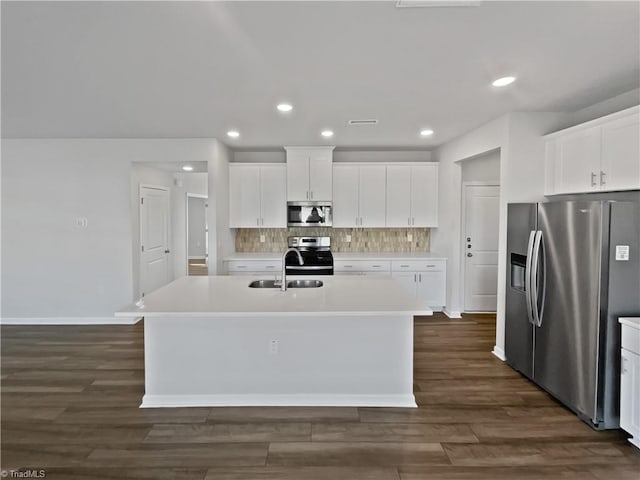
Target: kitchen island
[(214, 341)]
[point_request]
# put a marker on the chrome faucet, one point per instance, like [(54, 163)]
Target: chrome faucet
[(283, 285)]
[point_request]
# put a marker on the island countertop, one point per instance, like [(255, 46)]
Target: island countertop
[(227, 296)]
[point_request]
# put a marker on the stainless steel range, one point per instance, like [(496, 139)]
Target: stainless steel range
[(316, 252)]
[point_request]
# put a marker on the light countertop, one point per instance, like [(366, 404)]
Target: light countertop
[(226, 296), (633, 322), (344, 256)]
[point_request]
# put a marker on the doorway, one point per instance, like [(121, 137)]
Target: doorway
[(197, 234), (154, 238), (481, 214)]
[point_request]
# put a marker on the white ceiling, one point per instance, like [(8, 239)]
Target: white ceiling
[(197, 69)]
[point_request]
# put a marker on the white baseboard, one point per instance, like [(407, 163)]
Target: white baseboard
[(451, 313), (498, 352), (69, 320), (267, 400)]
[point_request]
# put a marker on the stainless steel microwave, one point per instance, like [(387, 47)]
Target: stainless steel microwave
[(309, 214)]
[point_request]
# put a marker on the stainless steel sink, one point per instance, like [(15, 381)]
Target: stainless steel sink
[(264, 284), (304, 283), (290, 284)]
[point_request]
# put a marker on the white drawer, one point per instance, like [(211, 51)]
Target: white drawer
[(253, 266), (631, 339), (362, 266), (418, 265)]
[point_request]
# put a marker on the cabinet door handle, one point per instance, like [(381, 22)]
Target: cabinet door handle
[(603, 178), (593, 179), (415, 279), (404, 266), (623, 370), (311, 194)]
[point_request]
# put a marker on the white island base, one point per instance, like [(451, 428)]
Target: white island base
[(266, 351)]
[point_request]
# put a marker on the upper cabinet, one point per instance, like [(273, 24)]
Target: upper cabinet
[(309, 174), (257, 195), (359, 195), (412, 195), (600, 155)]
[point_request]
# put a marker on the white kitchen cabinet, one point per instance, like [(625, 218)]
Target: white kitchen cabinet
[(359, 195), (362, 267), (424, 195), (600, 155), (412, 195), (254, 267), (630, 379), (621, 154), (257, 196), (309, 174), (426, 279)]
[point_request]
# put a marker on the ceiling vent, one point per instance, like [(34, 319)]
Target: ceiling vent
[(437, 3), (363, 122)]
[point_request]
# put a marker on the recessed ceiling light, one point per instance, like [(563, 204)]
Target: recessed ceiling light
[(187, 168), (503, 82), (285, 107), (233, 133), (426, 132), (326, 133)]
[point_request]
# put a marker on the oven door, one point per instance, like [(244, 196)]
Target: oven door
[(310, 270)]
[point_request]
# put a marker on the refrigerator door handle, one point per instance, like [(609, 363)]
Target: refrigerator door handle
[(527, 277), (538, 247)]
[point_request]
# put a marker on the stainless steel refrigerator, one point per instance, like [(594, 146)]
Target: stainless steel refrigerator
[(573, 268)]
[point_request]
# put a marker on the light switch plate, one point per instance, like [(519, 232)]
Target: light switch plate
[(348, 238), (409, 237), (262, 239), (622, 253)]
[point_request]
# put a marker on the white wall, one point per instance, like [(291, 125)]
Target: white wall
[(196, 183), (351, 155), (614, 104), (484, 168), (51, 268), (221, 238), (518, 138)]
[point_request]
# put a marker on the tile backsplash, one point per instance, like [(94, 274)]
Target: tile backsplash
[(362, 239)]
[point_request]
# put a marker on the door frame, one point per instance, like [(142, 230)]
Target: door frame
[(169, 228), (463, 241), (186, 227)]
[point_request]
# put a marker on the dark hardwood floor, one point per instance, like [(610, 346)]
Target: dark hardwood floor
[(70, 397)]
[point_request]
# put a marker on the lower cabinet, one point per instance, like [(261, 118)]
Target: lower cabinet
[(425, 279), (630, 382)]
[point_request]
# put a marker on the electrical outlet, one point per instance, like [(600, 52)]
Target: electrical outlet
[(348, 238), (273, 347), (82, 222), (262, 239), (409, 237)]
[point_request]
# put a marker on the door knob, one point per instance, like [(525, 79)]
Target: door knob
[(468, 246), (167, 251), (468, 239), (469, 254)]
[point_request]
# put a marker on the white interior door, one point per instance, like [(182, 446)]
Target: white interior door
[(482, 212), (154, 238)]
